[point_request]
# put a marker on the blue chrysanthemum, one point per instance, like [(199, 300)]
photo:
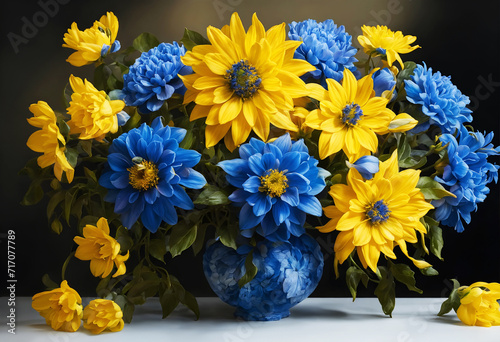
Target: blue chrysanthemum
[(383, 80), (466, 176), (440, 99), (326, 46), (153, 78), (288, 272), (146, 172), (277, 183)]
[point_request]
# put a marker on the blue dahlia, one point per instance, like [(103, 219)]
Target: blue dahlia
[(440, 99), (153, 78), (288, 272), (146, 172), (326, 46), (466, 176), (277, 183)]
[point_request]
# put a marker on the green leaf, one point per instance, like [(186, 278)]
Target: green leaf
[(145, 42), (405, 275), (49, 283), (124, 239), (69, 199), (429, 271), (435, 235), (158, 249), (143, 287), (71, 155), (386, 291), (190, 302), (431, 189), (212, 195), (181, 238), (34, 193), (453, 301), (56, 226), (406, 73), (227, 234), (250, 270), (404, 148), (192, 38), (200, 240), (86, 146), (168, 301), (128, 312), (353, 276)]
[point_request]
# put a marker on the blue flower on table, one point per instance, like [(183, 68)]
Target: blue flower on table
[(326, 46), (277, 183), (146, 172), (153, 78), (441, 100), (467, 175)]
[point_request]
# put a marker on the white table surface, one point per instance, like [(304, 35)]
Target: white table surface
[(314, 320)]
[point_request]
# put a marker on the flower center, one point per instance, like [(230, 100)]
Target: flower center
[(274, 183), (143, 175), (351, 114), (378, 212), (243, 79)]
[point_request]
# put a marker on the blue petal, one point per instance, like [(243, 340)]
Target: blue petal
[(191, 178), (281, 210), (150, 220), (131, 216), (119, 180), (150, 195), (154, 151), (269, 161), (255, 164), (298, 181), (119, 162), (234, 167), (291, 196), (252, 184), (284, 143), (262, 205), (165, 189), (181, 198), (290, 161), (247, 219), (310, 205), (188, 158)]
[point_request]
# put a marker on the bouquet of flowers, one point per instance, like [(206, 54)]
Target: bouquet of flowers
[(251, 138)]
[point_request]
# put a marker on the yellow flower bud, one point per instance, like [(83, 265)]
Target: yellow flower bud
[(479, 304), (102, 314)]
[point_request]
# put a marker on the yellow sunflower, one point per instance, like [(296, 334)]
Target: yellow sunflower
[(242, 80), (383, 41), (350, 117), (373, 216)]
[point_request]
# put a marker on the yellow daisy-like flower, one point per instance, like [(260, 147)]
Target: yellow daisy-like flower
[(49, 140), (102, 314), (383, 41), (61, 307), (350, 116), (374, 215), (92, 113), (91, 43), (102, 250), (242, 80), (479, 304)]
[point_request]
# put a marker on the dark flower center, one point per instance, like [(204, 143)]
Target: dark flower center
[(243, 79), (351, 114), (274, 183), (143, 175), (378, 212)]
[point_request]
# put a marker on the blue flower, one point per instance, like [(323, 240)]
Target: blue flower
[(288, 272), (153, 78), (146, 172), (277, 183), (366, 166), (440, 99), (324, 45), (383, 80), (466, 176)]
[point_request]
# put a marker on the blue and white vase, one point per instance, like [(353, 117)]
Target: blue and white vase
[(288, 272)]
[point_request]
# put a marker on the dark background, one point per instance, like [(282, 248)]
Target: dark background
[(458, 40)]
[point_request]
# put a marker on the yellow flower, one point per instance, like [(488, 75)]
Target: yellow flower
[(61, 307), (49, 140), (102, 314), (89, 44), (402, 122), (92, 113), (479, 304), (374, 215), (383, 41), (242, 80), (350, 116), (102, 250)]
